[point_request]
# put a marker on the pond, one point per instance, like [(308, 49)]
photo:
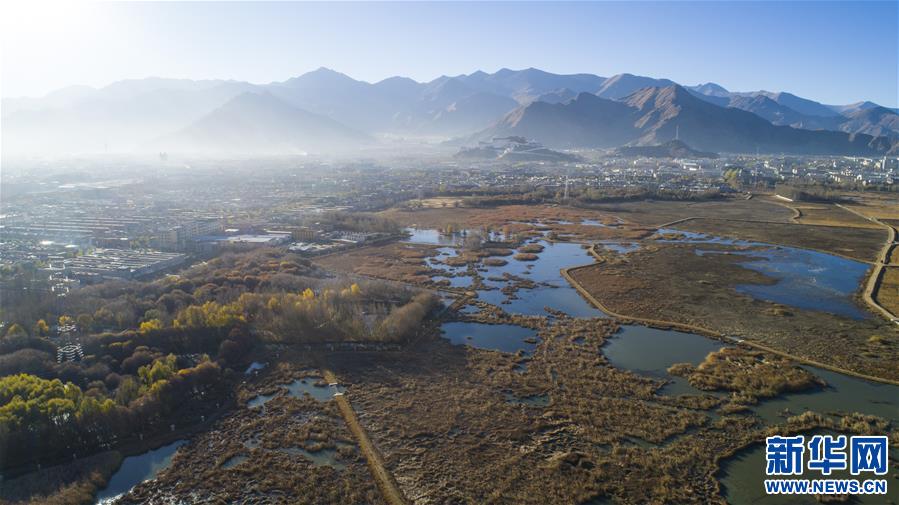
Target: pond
[(299, 388), (444, 253), (842, 394), (260, 400), (552, 290), (650, 351), (323, 457), (620, 247), (809, 280), (435, 237), (307, 386), (137, 469), (496, 337), (545, 270), (806, 279)]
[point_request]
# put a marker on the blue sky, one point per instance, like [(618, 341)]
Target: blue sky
[(834, 52)]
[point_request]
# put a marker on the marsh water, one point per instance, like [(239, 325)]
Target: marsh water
[(627, 349), (137, 469), (311, 386), (741, 478), (322, 457), (496, 337), (551, 291), (806, 279)]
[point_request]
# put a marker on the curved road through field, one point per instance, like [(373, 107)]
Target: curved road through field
[(877, 274), (658, 323)]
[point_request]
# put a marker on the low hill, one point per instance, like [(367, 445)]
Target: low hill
[(261, 123), (671, 149)]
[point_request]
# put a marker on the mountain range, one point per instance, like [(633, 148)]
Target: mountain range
[(655, 115), (324, 111)]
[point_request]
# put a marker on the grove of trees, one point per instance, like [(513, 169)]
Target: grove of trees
[(169, 351)]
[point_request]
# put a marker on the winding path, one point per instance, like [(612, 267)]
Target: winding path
[(659, 323), (880, 264)]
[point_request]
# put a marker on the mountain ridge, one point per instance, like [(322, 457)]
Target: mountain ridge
[(655, 115), (130, 113)]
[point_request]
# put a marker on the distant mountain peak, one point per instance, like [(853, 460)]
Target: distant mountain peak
[(622, 85), (658, 96), (711, 89), (260, 122), (325, 70), (321, 76)]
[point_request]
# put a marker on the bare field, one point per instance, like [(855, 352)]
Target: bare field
[(468, 217), (656, 213), (879, 205), (395, 261), (830, 215), (440, 202), (564, 222), (887, 293), (862, 244), (671, 283)]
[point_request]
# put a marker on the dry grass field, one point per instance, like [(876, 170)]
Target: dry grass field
[(395, 261), (862, 244), (830, 215), (670, 282), (879, 205), (888, 292), (656, 213)]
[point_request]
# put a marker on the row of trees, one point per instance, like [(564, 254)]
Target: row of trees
[(586, 196), (358, 222), (811, 193), (334, 314), (603, 195)]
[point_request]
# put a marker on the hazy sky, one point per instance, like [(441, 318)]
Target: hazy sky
[(834, 52)]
